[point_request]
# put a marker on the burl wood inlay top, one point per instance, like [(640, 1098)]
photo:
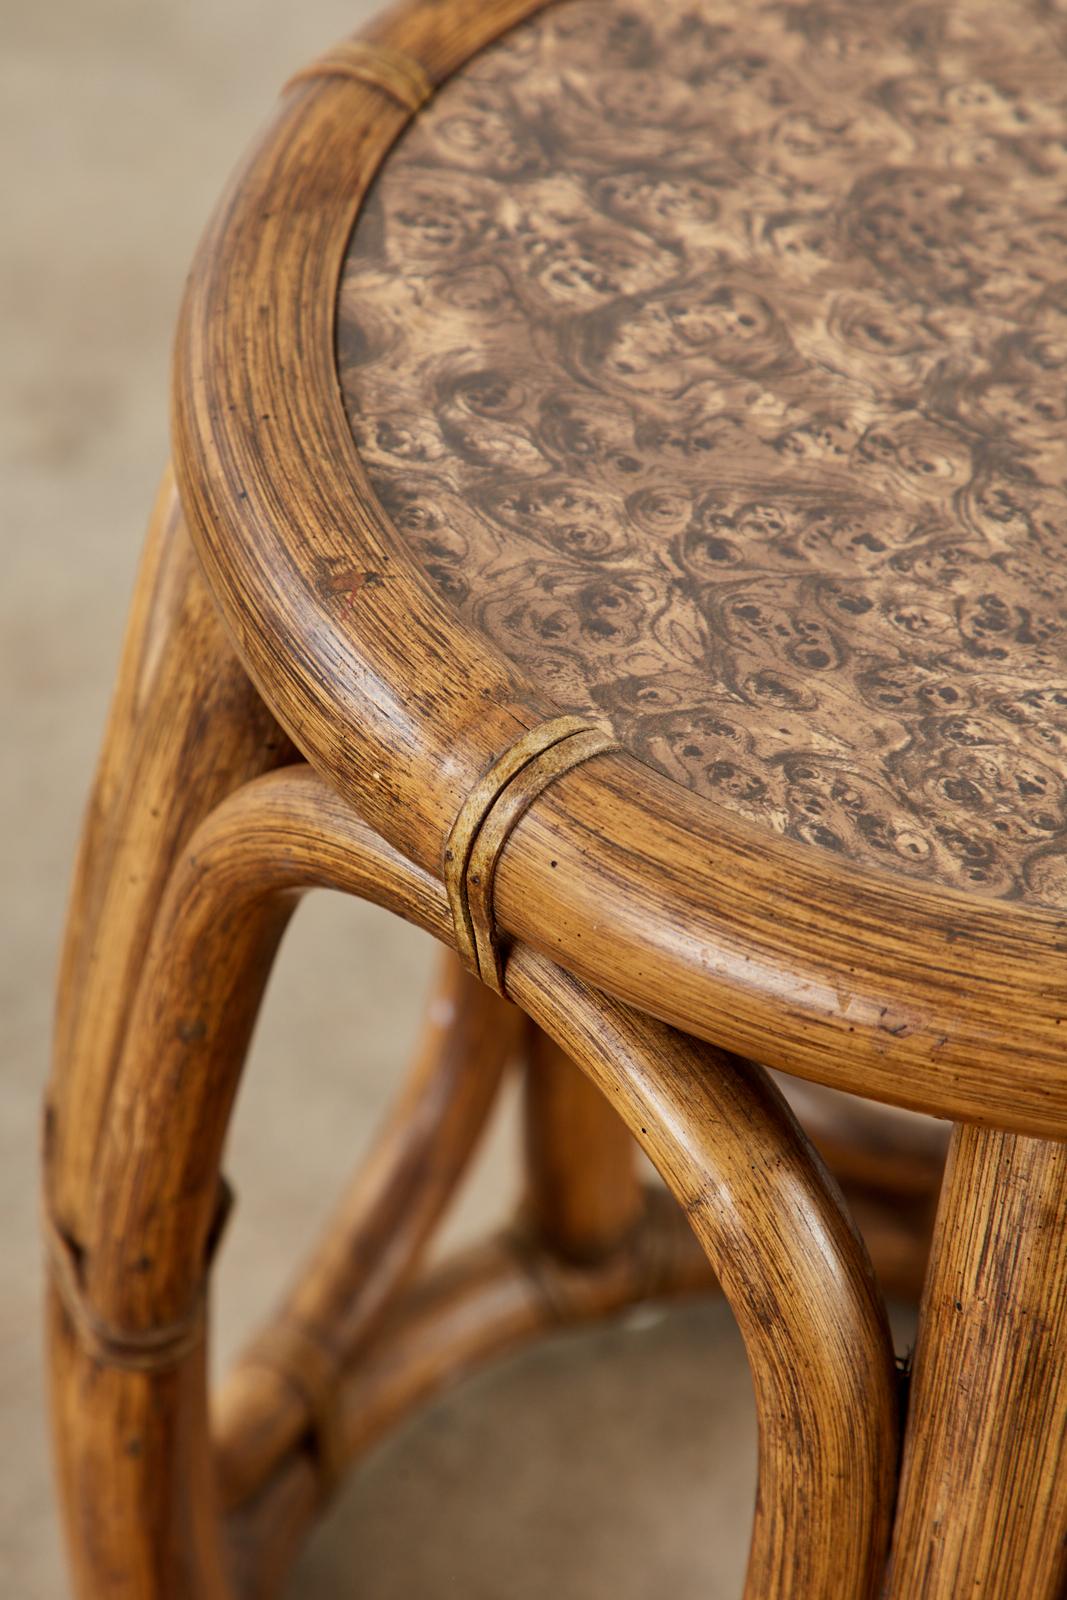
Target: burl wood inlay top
[(713, 359)]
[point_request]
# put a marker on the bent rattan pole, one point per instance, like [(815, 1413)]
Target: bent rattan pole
[(791, 1265), (283, 1382), (185, 728), (133, 1448)]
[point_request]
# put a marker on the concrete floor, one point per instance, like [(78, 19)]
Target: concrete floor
[(614, 1463)]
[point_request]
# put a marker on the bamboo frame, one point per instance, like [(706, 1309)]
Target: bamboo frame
[(583, 1195), (614, 910), (358, 1340), (156, 1173), (922, 997)]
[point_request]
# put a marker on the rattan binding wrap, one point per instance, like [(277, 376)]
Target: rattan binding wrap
[(151, 1349), (300, 1359), (484, 823), (395, 73)]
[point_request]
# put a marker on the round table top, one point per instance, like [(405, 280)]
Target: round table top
[(713, 363)]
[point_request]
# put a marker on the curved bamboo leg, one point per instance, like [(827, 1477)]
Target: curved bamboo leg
[(889, 1165), (791, 1265), (133, 1446), (983, 1498), (281, 1387), (583, 1197), (186, 726)]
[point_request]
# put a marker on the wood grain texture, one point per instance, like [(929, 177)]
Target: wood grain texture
[(208, 904), (185, 727), (894, 988), (624, 904), (132, 1448), (889, 1164), (983, 1498), (709, 363)]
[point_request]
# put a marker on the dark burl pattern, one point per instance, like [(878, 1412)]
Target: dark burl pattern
[(713, 359)]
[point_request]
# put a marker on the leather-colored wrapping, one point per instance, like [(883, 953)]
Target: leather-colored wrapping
[(395, 73), (484, 824), (303, 1362), (151, 1349)]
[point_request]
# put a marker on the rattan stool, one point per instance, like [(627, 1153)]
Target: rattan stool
[(618, 525)]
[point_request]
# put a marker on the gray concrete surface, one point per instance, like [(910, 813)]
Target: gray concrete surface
[(616, 1463)]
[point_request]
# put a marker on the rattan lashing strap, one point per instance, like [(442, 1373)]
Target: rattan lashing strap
[(392, 71), (302, 1358), (484, 823), (154, 1349)]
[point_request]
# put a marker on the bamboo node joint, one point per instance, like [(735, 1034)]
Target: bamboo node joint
[(394, 72)]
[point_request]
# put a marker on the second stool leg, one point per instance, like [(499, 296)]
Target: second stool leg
[(791, 1265), (186, 726), (127, 1329), (583, 1195), (983, 1500)]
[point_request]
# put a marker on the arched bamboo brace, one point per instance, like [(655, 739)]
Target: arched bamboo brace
[(786, 1256), (284, 1381), (485, 1303), (796, 1275)]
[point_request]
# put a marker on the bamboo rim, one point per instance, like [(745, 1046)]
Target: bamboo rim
[(920, 996)]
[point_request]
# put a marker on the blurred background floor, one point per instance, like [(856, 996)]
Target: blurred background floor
[(615, 1463)]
